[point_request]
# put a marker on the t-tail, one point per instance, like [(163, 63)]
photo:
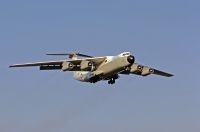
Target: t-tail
[(73, 56)]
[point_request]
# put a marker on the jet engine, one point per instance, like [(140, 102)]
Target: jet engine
[(86, 65), (147, 71), (67, 66), (141, 70)]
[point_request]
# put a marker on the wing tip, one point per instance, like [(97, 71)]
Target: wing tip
[(11, 66), (170, 75), (161, 73)]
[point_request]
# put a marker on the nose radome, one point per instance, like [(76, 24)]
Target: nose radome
[(131, 59)]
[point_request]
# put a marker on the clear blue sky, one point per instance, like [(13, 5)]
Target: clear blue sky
[(162, 34)]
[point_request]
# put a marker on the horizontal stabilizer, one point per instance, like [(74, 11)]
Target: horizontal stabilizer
[(71, 55)]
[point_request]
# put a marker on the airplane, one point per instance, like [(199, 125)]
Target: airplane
[(93, 69)]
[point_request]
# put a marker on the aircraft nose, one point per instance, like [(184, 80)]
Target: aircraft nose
[(131, 59)]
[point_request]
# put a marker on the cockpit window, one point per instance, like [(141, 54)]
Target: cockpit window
[(125, 54)]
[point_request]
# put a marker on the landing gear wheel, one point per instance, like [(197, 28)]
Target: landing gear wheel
[(111, 81)]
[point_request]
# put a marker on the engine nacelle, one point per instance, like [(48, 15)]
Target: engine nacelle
[(67, 66), (86, 65), (147, 71), (135, 68), (141, 70)]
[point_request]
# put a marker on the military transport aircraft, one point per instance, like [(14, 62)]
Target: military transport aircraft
[(93, 69)]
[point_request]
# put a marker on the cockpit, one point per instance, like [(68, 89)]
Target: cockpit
[(125, 54)]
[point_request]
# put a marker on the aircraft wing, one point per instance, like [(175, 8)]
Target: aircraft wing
[(52, 65), (142, 70), (38, 64)]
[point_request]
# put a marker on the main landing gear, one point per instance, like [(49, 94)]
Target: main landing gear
[(111, 81)]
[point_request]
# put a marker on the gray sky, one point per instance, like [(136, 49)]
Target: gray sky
[(162, 34)]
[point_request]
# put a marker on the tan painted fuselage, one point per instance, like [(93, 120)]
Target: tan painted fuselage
[(112, 66)]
